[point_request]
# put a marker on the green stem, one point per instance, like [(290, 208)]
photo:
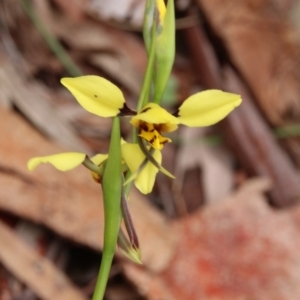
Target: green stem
[(149, 156), (287, 131), (144, 95), (112, 192), (103, 274), (51, 40), (92, 167)]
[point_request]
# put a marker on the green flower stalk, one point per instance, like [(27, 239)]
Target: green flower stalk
[(112, 192)]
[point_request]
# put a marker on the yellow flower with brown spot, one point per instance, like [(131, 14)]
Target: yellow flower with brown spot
[(101, 97), (151, 122)]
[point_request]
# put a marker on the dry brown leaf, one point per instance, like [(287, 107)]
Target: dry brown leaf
[(117, 66), (294, 12), (265, 48), (75, 9), (217, 175), (35, 271), (254, 144), (102, 46), (68, 203), (246, 131), (128, 10), (25, 41), (237, 249), (90, 43), (34, 101)]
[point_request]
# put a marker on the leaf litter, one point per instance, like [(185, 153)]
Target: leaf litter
[(202, 252)]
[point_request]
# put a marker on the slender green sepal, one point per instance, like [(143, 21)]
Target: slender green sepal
[(132, 253), (128, 184), (165, 51), (149, 156), (148, 22), (112, 192), (133, 238), (132, 176)]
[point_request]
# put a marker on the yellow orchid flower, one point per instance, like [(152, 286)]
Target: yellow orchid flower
[(99, 96)]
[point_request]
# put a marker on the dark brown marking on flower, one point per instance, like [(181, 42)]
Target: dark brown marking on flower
[(153, 139), (163, 142), (176, 113), (144, 126), (98, 179), (96, 96), (145, 109), (126, 111), (158, 127)]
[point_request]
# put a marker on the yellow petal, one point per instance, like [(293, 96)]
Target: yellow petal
[(63, 161), (161, 7), (207, 108), (96, 94), (98, 159), (134, 157), (167, 127), (152, 113)]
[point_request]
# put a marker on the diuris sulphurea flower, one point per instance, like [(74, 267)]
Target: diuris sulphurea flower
[(140, 161), (101, 97)]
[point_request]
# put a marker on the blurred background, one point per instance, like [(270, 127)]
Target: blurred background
[(228, 227)]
